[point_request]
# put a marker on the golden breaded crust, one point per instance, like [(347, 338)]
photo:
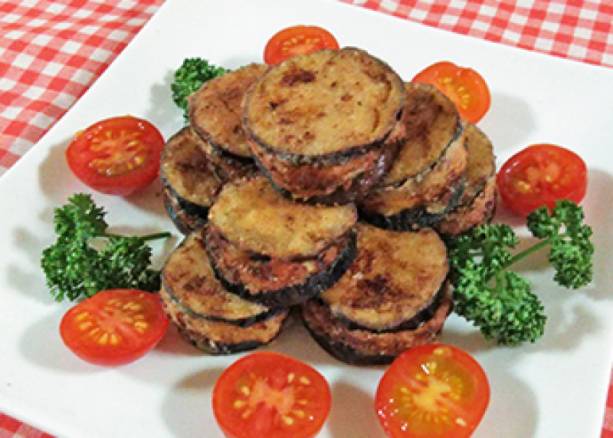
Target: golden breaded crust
[(328, 104), (217, 337), (185, 221), (215, 110), (478, 212), (432, 123), (187, 171), (255, 217), (431, 191), (366, 347), (187, 276), (225, 165), (258, 274), (481, 163), (394, 276)]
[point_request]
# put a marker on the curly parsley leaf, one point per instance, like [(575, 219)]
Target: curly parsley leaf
[(74, 268)]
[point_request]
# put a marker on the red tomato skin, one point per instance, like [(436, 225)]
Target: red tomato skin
[(545, 152), (400, 367), (99, 355), (273, 50), (78, 156), (273, 361), (474, 82)]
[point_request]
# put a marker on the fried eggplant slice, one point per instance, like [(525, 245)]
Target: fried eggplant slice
[(256, 218), (186, 217), (324, 107), (478, 202), (212, 318), (365, 347), (394, 277), (215, 109), (414, 214), (426, 180), (480, 164), (278, 282), (480, 211), (432, 125), (216, 337), (190, 181), (333, 184), (324, 126), (190, 282)]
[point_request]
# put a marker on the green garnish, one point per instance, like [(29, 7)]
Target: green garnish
[(189, 78), (74, 268), (499, 301)]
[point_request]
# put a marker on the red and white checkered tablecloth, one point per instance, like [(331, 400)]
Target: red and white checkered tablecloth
[(52, 51)]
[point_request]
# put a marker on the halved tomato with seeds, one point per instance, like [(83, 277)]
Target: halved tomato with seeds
[(464, 86), (271, 395), (432, 391), (115, 326), (541, 175), (297, 40), (117, 156)]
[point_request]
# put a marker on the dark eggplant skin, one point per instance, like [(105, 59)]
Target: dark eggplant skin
[(223, 154), (187, 219), (345, 353), (217, 348), (359, 188), (423, 315), (340, 156), (324, 159), (297, 294), (243, 322), (367, 347), (413, 218)]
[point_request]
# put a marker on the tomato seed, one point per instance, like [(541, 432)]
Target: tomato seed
[(239, 404), (85, 325)]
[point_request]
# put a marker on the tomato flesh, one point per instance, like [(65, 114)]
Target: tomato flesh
[(539, 176), (271, 395), (464, 86), (114, 327), (116, 156), (432, 391), (297, 40)]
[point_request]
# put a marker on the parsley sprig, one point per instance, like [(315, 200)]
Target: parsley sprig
[(189, 77), (501, 302), (75, 268)]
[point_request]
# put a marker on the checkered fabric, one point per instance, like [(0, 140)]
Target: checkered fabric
[(52, 51), (576, 29)]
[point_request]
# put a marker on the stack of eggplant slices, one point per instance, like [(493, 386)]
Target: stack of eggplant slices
[(323, 183)]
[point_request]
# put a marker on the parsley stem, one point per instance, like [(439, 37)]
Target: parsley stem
[(527, 252), (155, 236)]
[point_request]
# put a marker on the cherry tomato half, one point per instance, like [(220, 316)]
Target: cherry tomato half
[(464, 86), (432, 391), (297, 40), (117, 156), (115, 326), (271, 395), (541, 175)]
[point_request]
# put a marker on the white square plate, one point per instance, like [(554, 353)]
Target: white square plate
[(555, 388)]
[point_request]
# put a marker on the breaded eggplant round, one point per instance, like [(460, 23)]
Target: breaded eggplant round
[(278, 282), (364, 347), (427, 179), (253, 216), (215, 109), (324, 126), (211, 317), (394, 277)]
